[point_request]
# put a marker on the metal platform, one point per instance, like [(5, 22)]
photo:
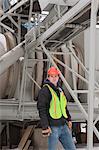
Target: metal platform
[(9, 111), (94, 148)]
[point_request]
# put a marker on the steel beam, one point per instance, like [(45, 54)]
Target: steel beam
[(71, 70), (9, 110), (13, 21), (19, 4), (91, 94), (61, 22), (64, 19), (81, 64), (6, 27)]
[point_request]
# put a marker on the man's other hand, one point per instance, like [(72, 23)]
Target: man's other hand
[(69, 124)]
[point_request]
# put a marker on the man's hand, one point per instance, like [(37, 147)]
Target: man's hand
[(46, 132), (69, 124)]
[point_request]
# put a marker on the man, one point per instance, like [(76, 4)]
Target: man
[(55, 118)]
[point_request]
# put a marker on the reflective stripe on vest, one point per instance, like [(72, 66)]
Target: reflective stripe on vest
[(57, 107)]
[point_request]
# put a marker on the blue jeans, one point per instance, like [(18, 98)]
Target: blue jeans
[(63, 134)]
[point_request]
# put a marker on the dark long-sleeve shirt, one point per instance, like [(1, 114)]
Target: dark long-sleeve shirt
[(43, 105)]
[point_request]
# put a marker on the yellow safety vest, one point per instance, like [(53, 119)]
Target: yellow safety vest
[(57, 107)]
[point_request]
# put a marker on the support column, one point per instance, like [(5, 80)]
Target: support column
[(19, 30), (8, 135), (94, 8)]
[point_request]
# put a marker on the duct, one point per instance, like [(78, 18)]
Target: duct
[(11, 57)]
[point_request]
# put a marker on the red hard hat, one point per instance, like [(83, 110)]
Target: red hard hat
[(53, 71)]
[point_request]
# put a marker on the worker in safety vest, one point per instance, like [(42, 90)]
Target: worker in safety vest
[(54, 115)]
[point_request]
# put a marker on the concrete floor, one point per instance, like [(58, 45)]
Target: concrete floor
[(95, 148), (84, 147)]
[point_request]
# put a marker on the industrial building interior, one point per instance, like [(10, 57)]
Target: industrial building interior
[(35, 34)]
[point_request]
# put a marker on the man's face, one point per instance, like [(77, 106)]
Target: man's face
[(53, 79)]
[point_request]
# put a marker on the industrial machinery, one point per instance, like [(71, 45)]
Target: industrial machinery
[(36, 34)]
